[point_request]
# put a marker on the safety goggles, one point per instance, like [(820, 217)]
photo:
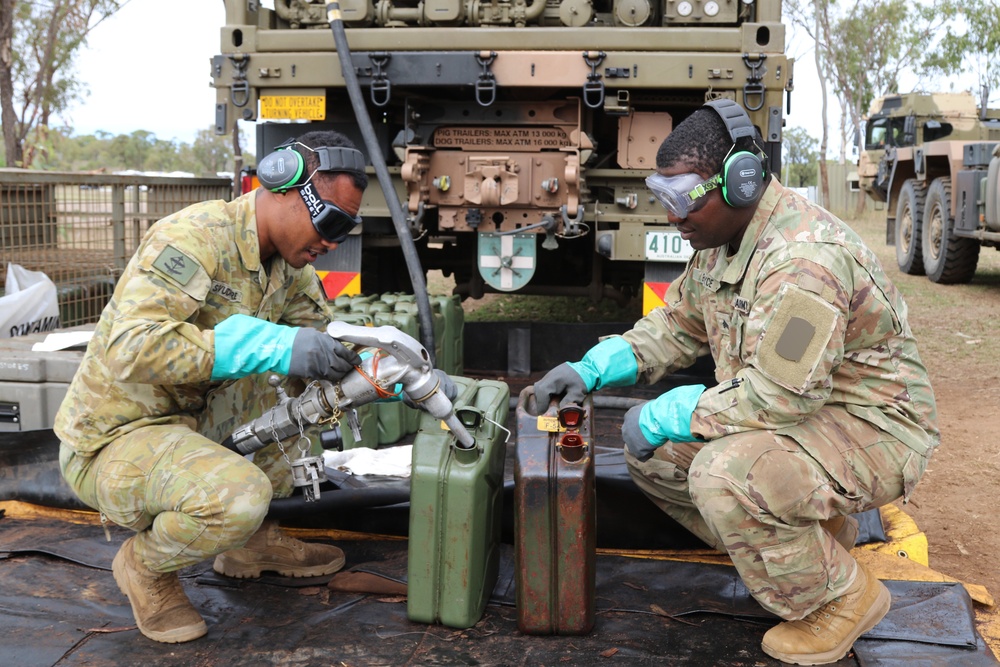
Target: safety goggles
[(682, 194), (331, 222)]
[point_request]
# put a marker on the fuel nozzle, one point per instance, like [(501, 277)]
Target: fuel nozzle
[(407, 363)]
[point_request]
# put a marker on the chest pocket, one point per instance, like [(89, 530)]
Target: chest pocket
[(726, 338)]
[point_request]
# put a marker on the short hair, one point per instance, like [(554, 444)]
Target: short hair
[(331, 138), (703, 141)]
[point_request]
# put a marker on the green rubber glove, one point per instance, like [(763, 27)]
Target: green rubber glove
[(668, 417), (245, 345)]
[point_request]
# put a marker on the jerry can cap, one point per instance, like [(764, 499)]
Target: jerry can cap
[(571, 416)]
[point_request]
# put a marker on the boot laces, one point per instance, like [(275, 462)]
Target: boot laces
[(292, 542), (815, 618), (157, 589)]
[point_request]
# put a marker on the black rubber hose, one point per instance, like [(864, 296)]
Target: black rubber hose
[(338, 499), (378, 161)]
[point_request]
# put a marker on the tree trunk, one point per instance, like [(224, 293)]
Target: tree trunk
[(8, 117), (824, 177)]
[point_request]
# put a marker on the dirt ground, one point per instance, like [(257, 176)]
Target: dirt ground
[(957, 332)]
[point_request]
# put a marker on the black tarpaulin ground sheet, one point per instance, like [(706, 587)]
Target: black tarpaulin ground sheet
[(59, 605)]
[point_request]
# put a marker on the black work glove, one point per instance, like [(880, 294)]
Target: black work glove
[(446, 384), (561, 382), (318, 356), (635, 441)]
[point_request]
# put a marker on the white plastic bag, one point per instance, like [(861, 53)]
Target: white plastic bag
[(30, 305)]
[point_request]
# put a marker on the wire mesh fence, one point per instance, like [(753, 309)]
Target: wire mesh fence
[(82, 229)]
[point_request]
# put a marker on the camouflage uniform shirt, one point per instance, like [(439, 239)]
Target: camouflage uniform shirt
[(151, 358), (801, 316)]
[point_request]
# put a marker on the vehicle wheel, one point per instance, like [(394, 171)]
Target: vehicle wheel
[(947, 259), (909, 220)]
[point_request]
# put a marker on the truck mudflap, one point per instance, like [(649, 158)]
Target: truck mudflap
[(507, 261)]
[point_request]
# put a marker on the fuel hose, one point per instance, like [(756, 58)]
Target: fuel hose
[(385, 181)]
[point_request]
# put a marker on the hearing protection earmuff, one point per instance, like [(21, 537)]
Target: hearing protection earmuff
[(742, 172), (285, 167)]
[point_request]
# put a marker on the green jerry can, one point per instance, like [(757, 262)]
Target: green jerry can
[(456, 501), (555, 518)]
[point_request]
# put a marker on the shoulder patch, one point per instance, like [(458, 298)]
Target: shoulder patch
[(795, 337), (176, 264)]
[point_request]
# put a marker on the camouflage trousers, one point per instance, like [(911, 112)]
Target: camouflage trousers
[(759, 496), (187, 497)]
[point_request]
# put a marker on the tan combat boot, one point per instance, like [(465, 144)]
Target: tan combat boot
[(827, 634), (162, 611), (844, 529), (272, 551)]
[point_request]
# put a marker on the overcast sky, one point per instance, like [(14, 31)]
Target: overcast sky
[(148, 68)]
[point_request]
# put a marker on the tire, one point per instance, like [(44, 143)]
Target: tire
[(909, 222), (947, 259)]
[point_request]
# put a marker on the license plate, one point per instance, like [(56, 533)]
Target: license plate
[(667, 247), (293, 107)]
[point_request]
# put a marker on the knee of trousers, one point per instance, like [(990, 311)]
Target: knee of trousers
[(762, 475), (250, 505)]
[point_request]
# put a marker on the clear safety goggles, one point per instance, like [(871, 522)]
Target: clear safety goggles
[(331, 222), (683, 194)]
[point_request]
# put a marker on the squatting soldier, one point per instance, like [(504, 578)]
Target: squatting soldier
[(822, 408), (217, 296)]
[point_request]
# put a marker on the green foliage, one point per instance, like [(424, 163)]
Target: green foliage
[(531, 308), (38, 43), (799, 154), (59, 150), (864, 47), (976, 47)]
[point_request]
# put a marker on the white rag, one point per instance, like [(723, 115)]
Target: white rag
[(392, 461)]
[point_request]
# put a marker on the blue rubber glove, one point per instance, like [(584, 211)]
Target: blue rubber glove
[(562, 382), (245, 345), (635, 441), (666, 418), (610, 363)]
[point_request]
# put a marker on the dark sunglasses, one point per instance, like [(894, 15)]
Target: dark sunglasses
[(331, 222)]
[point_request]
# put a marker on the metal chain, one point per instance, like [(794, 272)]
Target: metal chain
[(274, 434), (303, 450)]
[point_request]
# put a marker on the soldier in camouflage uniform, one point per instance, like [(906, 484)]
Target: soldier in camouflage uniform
[(217, 297), (822, 407)]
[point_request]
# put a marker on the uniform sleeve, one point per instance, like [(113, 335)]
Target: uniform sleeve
[(793, 340), (671, 337), (308, 306), (153, 340)]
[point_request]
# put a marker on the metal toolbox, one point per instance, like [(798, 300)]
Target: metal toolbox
[(555, 518), (33, 384), (456, 501)]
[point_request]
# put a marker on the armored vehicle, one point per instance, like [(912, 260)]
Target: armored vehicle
[(518, 133), (912, 119), (931, 159)]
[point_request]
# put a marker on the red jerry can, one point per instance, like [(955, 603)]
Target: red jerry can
[(555, 524)]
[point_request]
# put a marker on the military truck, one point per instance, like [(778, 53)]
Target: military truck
[(926, 156), (517, 132)]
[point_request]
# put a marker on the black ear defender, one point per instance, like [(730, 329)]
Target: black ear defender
[(742, 172), (285, 167)]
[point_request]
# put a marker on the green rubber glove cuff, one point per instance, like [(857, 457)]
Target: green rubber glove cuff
[(610, 363), (246, 345), (668, 417)]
